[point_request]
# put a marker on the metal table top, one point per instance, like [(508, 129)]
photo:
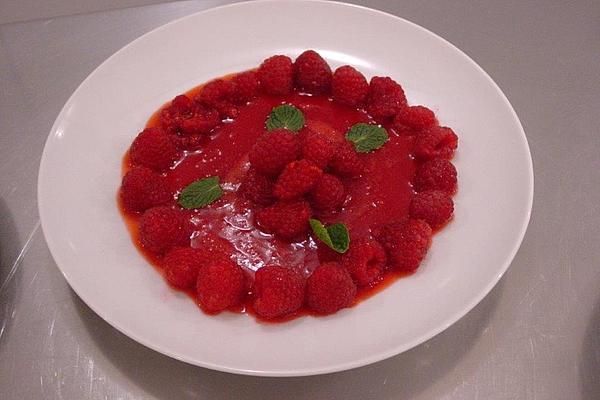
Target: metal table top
[(535, 336)]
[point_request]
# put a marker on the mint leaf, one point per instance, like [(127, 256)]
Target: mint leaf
[(200, 193), (335, 236), (285, 116), (366, 137)]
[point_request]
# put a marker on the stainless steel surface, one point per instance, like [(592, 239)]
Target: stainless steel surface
[(535, 336), (27, 10)]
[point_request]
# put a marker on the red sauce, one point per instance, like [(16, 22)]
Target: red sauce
[(381, 195)]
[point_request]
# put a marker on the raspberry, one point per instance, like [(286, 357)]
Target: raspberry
[(188, 117), (214, 246), (218, 94), (406, 243), (221, 284), (436, 174), (433, 206), (312, 73), (162, 228), (190, 142), (317, 148), (182, 104), (246, 87), (415, 117), (346, 161), (257, 188), (329, 288), (273, 151), (436, 142), (143, 188), (321, 128), (154, 149), (365, 260), (276, 75), (296, 179), (277, 291), (349, 86), (181, 266), (403, 130), (326, 253), (288, 220), (385, 97), (202, 121), (170, 117), (328, 194)]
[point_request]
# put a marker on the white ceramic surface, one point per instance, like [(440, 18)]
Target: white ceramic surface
[(80, 174)]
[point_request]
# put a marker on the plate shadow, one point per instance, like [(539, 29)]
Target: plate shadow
[(402, 376)]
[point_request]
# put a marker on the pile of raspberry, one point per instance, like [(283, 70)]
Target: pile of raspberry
[(292, 177)]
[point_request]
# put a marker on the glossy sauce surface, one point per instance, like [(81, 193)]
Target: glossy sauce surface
[(381, 195)]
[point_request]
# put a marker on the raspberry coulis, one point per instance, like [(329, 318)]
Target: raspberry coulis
[(382, 194)]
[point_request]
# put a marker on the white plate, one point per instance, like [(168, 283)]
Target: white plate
[(80, 173)]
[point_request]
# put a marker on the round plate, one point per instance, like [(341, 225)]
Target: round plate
[(80, 175)]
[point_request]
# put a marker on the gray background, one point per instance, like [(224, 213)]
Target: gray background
[(535, 336)]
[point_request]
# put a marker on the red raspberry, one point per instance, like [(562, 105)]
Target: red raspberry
[(273, 151), (162, 228), (436, 174), (218, 94), (182, 104), (321, 128), (312, 73), (365, 260), (415, 117), (346, 161), (406, 243), (329, 288), (170, 117), (246, 87), (385, 98), (188, 117), (328, 194), (349, 86), (433, 206), (154, 149), (221, 284), (257, 188), (143, 188), (296, 179), (181, 266), (286, 220), (276, 75), (317, 147), (277, 291), (326, 253), (190, 142), (436, 142), (202, 121), (214, 246), (403, 130)]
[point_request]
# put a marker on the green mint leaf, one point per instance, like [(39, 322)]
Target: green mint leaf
[(285, 116), (200, 193), (335, 236), (366, 137)]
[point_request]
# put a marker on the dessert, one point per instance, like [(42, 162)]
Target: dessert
[(287, 190)]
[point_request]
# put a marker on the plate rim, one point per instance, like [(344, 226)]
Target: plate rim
[(447, 322)]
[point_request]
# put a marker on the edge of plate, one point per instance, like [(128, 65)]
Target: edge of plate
[(321, 370)]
